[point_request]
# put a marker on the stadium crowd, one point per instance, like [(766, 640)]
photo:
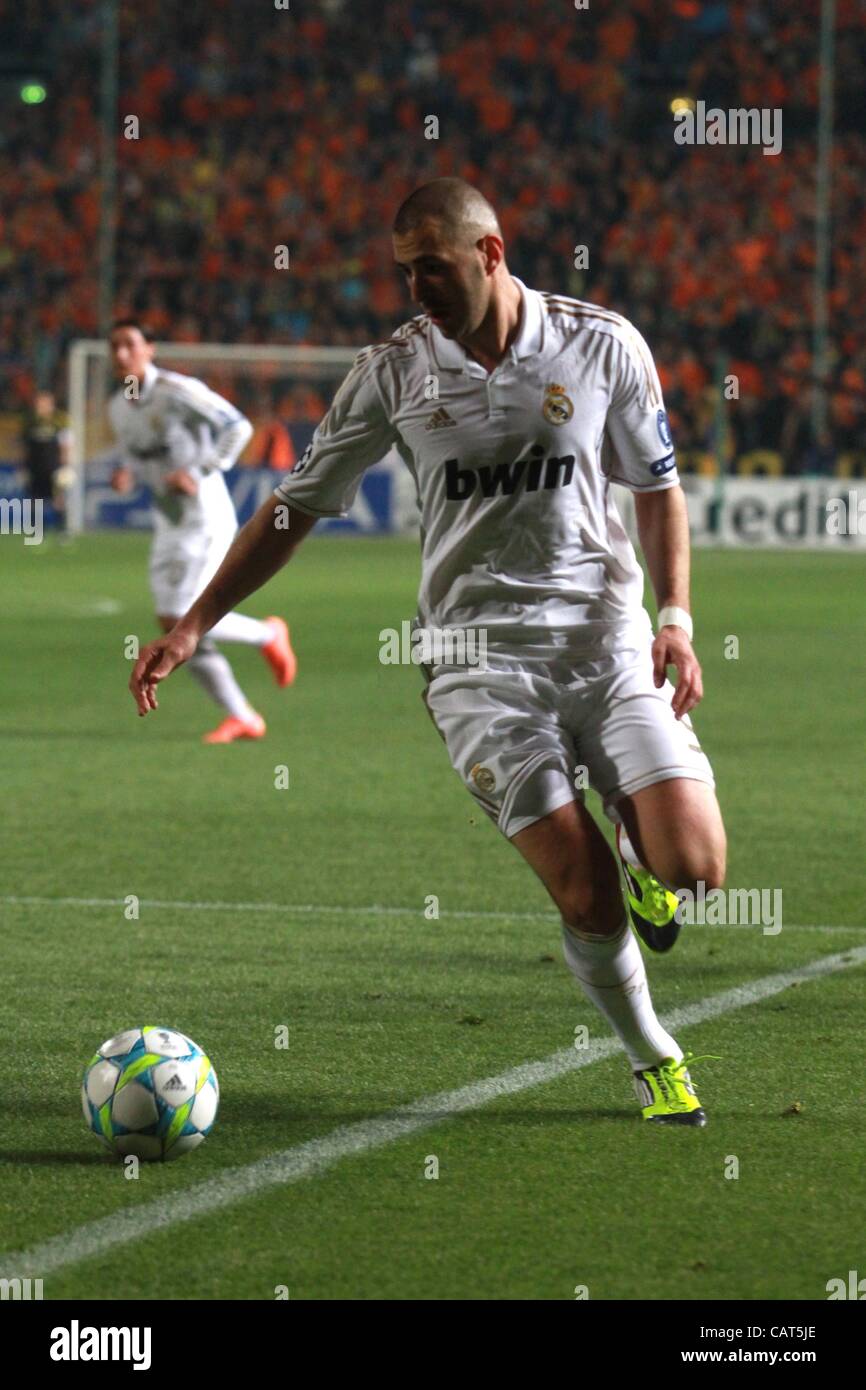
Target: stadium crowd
[(307, 126)]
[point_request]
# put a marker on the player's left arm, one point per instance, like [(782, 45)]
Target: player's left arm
[(663, 531), (638, 452), (208, 432)]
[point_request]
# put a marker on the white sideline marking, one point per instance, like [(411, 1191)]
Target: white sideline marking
[(375, 910), (87, 608), (316, 1155), (97, 608)]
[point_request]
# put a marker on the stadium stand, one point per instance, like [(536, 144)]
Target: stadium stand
[(709, 251)]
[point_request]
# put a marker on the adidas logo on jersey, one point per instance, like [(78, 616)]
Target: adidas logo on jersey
[(536, 471), (439, 419)]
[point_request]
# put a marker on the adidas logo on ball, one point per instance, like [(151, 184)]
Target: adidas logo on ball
[(150, 1093)]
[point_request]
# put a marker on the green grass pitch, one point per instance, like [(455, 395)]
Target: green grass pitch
[(557, 1186)]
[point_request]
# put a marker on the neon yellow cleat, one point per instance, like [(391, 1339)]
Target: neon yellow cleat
[(652, 906), (666, 1092)]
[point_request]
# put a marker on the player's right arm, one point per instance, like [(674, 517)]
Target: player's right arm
[(123, 475), (355, 433)]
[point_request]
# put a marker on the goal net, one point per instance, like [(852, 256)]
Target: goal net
[(283, 391)]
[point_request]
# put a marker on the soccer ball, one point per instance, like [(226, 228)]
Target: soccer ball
[(150, 1092)]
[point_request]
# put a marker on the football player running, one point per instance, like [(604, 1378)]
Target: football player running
[(541, 402), (179, 437)]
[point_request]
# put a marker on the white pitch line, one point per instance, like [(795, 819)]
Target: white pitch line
[(317, 1155), (374, 910), (96, 608)]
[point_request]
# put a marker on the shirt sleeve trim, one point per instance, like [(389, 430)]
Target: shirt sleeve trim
[(664, 486), (302, 506)]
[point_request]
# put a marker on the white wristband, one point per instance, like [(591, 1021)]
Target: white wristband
[(676, 617)]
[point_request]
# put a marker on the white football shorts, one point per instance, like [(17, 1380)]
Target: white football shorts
[(528, 735), (181, 565)]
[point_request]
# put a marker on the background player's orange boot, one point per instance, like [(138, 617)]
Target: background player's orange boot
[(278, 652), (232, 728)]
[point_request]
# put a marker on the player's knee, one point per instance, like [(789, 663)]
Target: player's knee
[(719, 866), (715, 862), (692, 864), (591, 907)]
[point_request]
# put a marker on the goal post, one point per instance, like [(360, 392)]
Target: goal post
[(284, 392)]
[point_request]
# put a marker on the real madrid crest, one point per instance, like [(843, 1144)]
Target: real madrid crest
[(483, 778), (557, 408)]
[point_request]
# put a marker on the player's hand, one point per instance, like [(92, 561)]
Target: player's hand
[(673, 648), (181, 481), (156, 661), (122, 479)]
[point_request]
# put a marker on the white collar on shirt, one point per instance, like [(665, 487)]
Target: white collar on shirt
[(530, 334), (148, 381)]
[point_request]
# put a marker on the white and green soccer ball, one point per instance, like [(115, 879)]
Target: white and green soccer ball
[(151, 1092)]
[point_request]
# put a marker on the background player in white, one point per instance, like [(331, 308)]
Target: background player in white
[(179, 437), (540, 401)]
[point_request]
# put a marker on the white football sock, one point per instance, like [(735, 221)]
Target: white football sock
[(235, 627), (627, 849), (611, 973), (213, 673)]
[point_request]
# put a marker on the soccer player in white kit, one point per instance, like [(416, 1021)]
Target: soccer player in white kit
[(179, 437), (514, 410)]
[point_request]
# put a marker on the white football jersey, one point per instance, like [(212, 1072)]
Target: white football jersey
[(179, 422), (520, 533)]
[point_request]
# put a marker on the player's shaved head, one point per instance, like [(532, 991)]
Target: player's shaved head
[(462, 214), (448, 243)]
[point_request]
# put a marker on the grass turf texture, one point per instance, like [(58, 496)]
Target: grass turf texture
[(558, 1186)]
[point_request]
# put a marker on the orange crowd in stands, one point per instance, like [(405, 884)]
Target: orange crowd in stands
[(259, 127)]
